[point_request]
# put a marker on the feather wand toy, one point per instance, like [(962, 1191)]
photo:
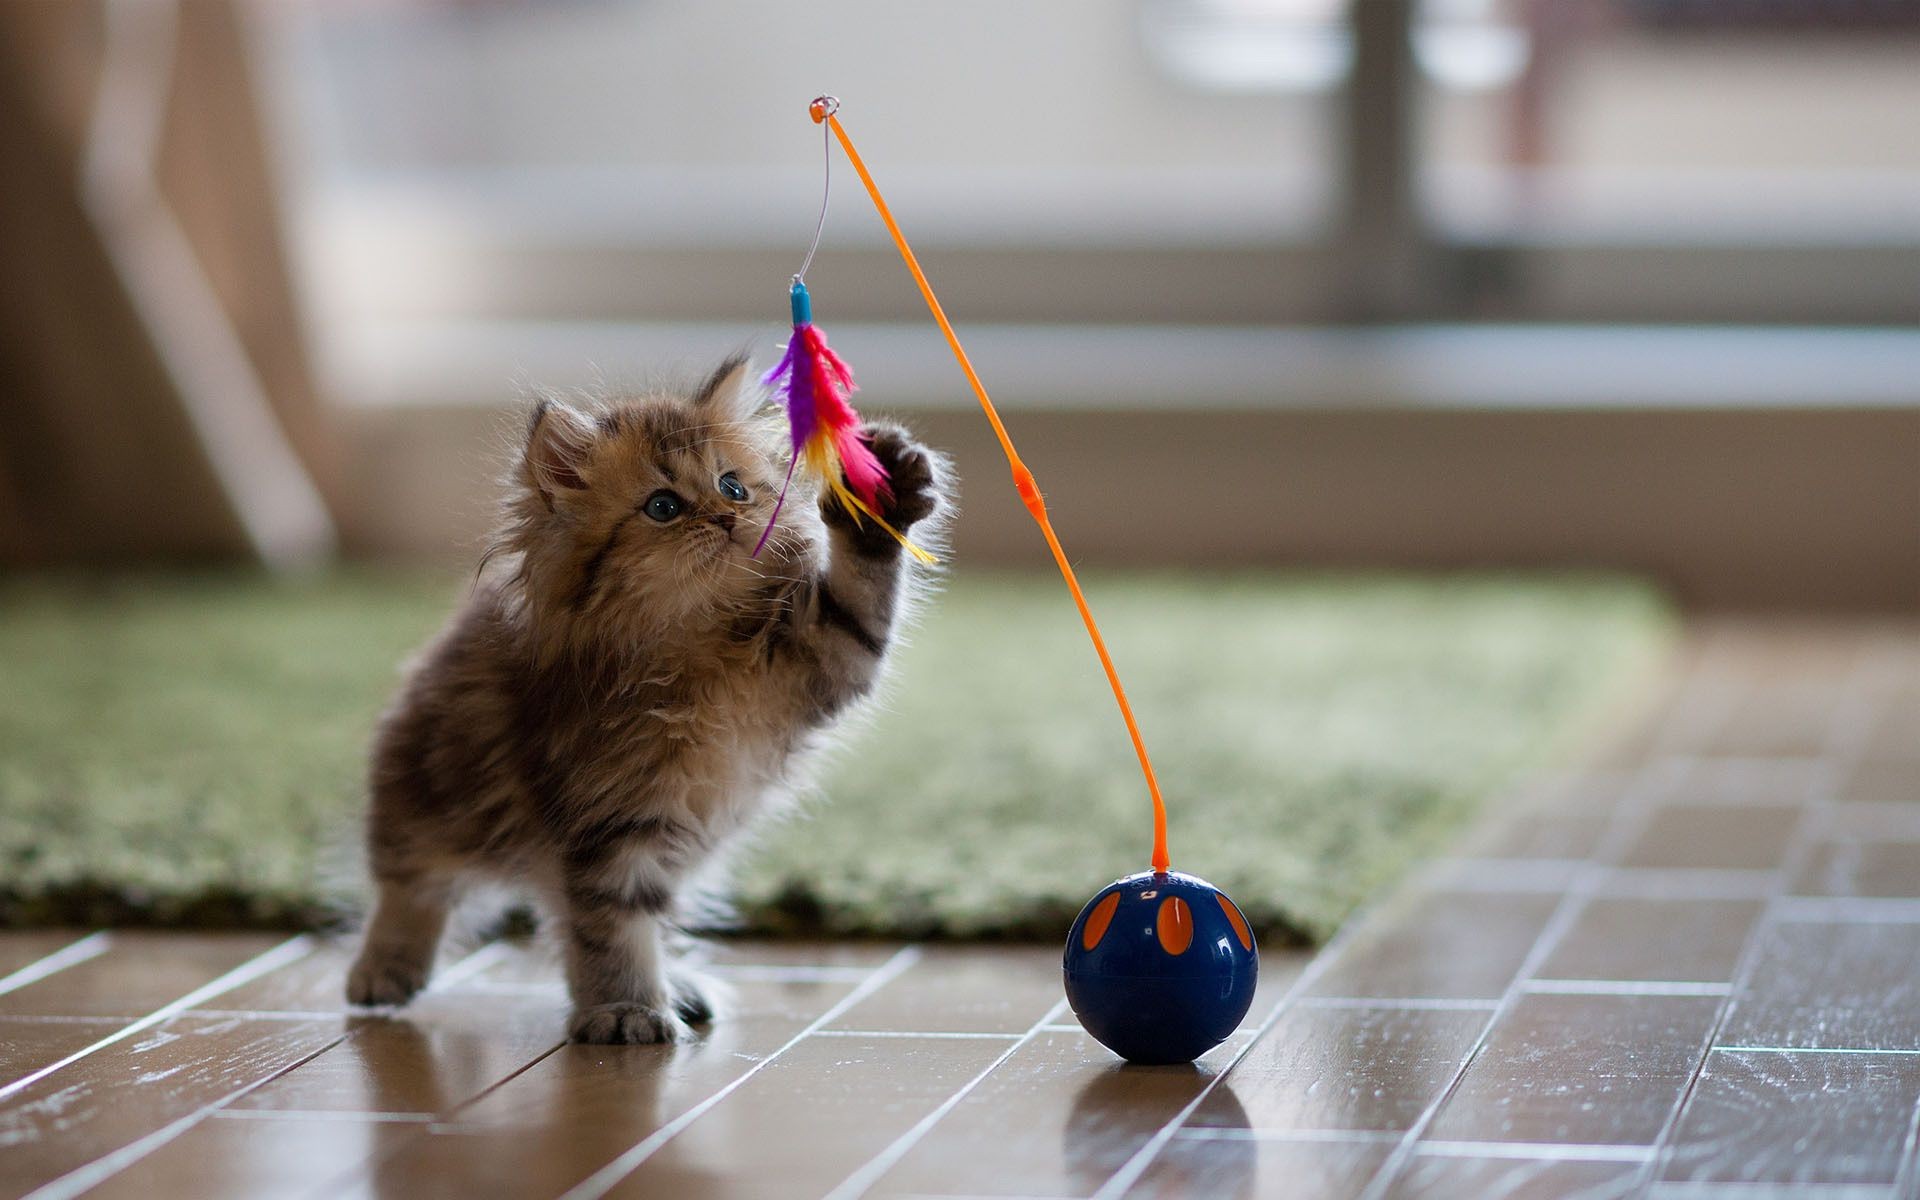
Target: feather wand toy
[(1160, 966), (815, 386)]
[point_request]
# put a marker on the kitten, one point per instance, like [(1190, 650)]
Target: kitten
[(627, 688)]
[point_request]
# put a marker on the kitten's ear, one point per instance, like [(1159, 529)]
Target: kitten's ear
[(557, 442), (729, 392)]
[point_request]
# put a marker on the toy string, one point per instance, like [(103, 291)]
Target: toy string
[(826, 198), (824, 110)]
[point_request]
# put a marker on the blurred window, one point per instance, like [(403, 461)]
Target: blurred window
[(1250, 46), (1709, 121), (1180, 162), (995, 121)]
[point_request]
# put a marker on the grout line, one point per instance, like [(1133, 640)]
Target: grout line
[(554, 989), (1755, 1190), (282, 1014), (1500, 876), (976, 1196), (106, 1166), (1557, 1151), (793, 974), (1622, 987), (862, 1180), (318, 1114), (1443, 1003), (1909, 1146), (1627, 822), (1815, 814), (1217, 1133), (435, 1122), (291, 950), (91, 1175), (740, 974), (910, 1033), (91, 946), (1890, 677), (468, 967), (1556, 926), (603, 1180), (451, 1116), (1809, 1050), (1854, 910), (1689, 883)]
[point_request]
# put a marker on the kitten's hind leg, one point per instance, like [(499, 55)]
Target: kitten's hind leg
[(397, 955), (696, 995)]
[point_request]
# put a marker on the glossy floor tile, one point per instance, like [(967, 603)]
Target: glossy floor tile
[(1371, 1068), (1443, 945), (813, 1117), (576, 1110), (76, 1119), (1579, 1070), (1640, 938), (33, 954), (1769, 1116), (1453, 1177), (1250, 1168), (1834, 985), (443, 1051), (30, 1043), (1059, 1115), (961, 989), (1730, 837), (137, 973), (285, 1155), (1691, 971)]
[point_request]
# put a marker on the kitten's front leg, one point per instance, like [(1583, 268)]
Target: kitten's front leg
[(616, 968), (857, 598)]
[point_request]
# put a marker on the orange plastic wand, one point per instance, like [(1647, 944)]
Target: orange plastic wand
[(824, 109)]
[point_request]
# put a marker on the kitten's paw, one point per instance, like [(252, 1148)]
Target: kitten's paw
[(910, 471), (914, 484), (626, 1025), (695, 997), (385, 980)]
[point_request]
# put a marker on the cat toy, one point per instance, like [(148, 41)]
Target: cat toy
[(1160, 966), (815, 386)]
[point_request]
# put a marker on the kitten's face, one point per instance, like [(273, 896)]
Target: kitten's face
[(650, 509)]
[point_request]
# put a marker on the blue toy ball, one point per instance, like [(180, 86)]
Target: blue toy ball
[(1160, 967)]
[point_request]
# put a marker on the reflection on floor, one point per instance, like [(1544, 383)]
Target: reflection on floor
[(1692, 969)]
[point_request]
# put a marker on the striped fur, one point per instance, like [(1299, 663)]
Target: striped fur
[(621, 697)]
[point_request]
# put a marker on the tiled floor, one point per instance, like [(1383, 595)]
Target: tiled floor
[(1691, 970)]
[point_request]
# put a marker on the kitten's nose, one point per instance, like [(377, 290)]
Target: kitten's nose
[(723, 520)]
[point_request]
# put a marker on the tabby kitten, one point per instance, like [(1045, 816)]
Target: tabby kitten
[(627, 688)]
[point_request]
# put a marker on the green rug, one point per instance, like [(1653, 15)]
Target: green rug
[(187, 750)]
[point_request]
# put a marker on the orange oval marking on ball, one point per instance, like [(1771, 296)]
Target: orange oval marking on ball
[(1098, 920), (1238, 922), (1174, 924)]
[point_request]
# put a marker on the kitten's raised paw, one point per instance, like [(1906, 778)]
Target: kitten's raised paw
[(626, 1025), (384, 981), (910, 473), (913, 484)]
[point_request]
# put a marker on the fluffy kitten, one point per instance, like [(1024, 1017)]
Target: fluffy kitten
[(627, 689)]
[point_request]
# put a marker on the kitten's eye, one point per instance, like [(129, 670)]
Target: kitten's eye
[(732, 488), (664, 506)]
